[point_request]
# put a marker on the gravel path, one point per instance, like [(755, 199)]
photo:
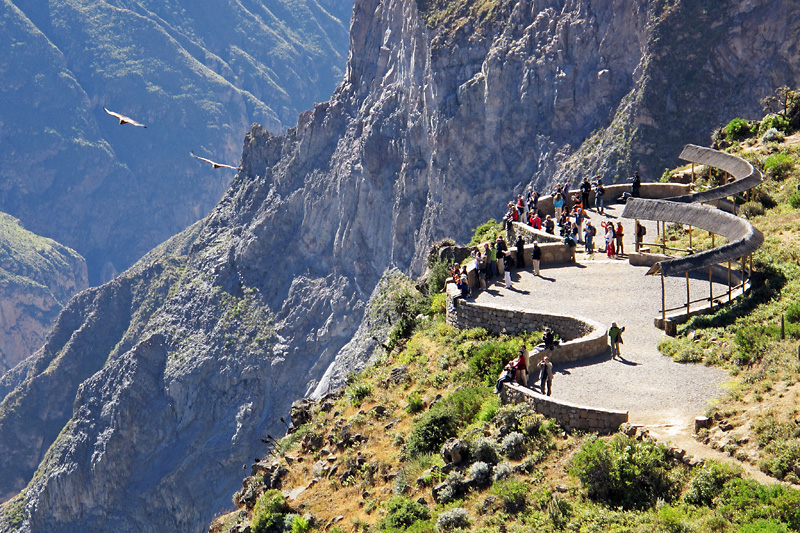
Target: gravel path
[(654, 390)]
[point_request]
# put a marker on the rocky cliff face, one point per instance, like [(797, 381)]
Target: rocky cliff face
[(197, 74), (441, 116), (37, 277)]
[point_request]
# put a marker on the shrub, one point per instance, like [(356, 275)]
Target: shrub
[(358, 392), (624, 472), (438, 274), (481, 474), (794, 200), (513, 495), (737, 129), (488, 409), (454, 487), (778, 166), (513, 446), (793, 313), (415, 403), (439, 304), (782, 457), (487, 359), (775, 122), (456, 518), (483, 449), (764, 526), (772, 136), (296, 524), (708, 482), (488, 231), (403, 512), (501, 471), (444, 419), (752, 209), (269, 512)]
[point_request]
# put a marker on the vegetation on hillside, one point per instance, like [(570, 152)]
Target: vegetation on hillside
[(367, 459), (756, 338)]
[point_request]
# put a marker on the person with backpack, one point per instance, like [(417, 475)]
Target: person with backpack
[(545, 375), (641, 231)]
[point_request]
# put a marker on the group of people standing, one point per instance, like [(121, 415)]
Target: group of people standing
[(518, 368)]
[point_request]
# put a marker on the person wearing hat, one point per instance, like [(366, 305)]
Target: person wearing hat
[(615, 339), (546, 375)]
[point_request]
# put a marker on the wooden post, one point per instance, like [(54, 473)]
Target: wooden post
[(729, 281), (688, 298), (636, 242), (712, 241), (690, 237), (710, 287), (663, 305), (692, 173), (664, 238)]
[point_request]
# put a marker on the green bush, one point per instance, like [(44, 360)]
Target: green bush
[(737, 129), (625, 472), (512, 494), (772, 135), (779, 166), (439, 272), (300, 525), (513, 446), (781, 458), (764, 526), (708, 482), (443, 420), (488, 409), (793, 313), (487, 359), (403, 512), (438, 304), (773, 120), (269, 512), (794, 200), (483, 449), (358, 392), (415, 403), (488, 231)]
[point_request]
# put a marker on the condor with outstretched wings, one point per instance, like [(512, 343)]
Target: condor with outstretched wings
[(123, 119), (213, 163)]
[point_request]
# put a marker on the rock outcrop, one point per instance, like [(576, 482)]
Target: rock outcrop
[(430, 132), (37, 277)]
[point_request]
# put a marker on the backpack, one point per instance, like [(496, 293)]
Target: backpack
[(593, 230)]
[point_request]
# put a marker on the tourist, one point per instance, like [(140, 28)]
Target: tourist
[(506, 376), (586, 190), (549, 225), (536, 256), (520, 246), (558, 205), (618, 234), (641, 231), (507, 266), (615, 339), (599, 196), (609, 238), (588, 237), (578, 215), (521, 366), (463, 287), (489, 258), (549, 339), (636, 184), (545, 375), (536, 220)]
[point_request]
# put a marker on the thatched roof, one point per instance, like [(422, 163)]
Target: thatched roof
[(742, 237)]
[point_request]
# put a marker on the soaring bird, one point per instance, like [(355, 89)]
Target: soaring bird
[(213, 163), (123, 119)]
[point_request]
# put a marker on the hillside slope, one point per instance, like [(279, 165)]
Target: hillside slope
[(430, 132), (196, 74), (37, 278)]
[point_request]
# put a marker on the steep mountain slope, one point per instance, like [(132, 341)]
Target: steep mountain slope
[(37, 277), (198, 74), (430, 132)]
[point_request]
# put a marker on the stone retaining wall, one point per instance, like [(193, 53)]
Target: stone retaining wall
[(581, 338), (569, 415)]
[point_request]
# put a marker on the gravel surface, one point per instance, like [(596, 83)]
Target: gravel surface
[(654, 390)]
